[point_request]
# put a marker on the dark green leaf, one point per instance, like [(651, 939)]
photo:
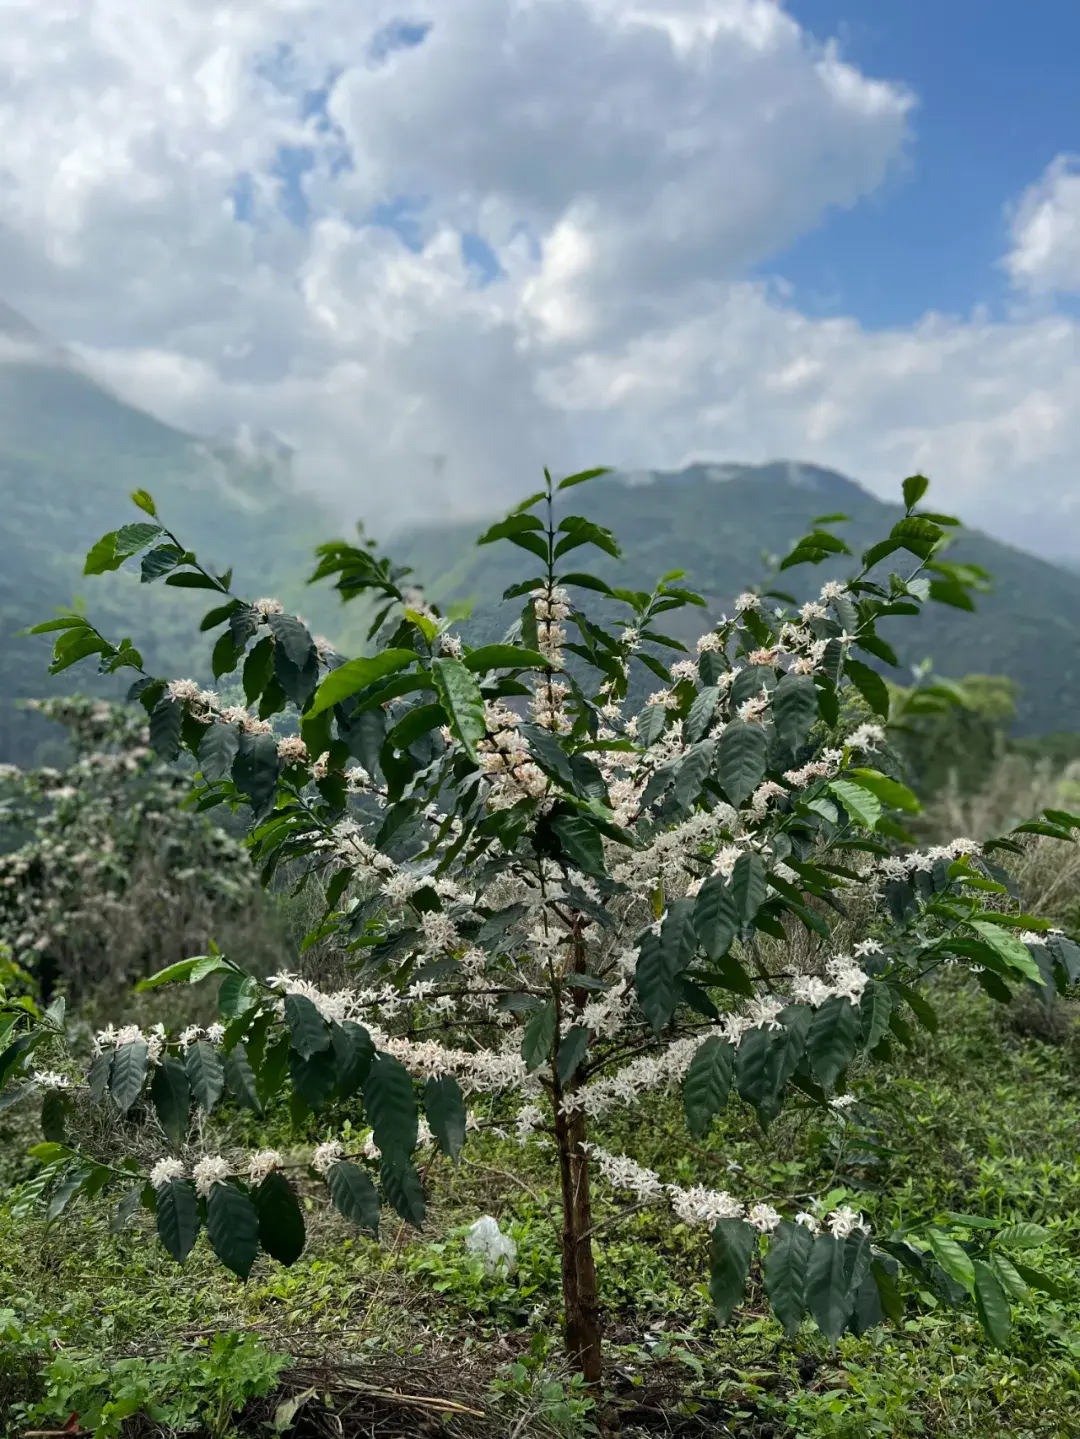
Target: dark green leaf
[(255, 770), (733, 1244), (829, 1297), (307, 1028), (991, 1305), (834, 1033), (445, 1110), (53, 1116), (205, 1074), (232, 1224), (749, 883), (915, 486), (794, 708), (281, 1223), (353, 1051), (100, 1070), (572, 1050), (354, 1196), (241, 1079), (707, 1084), (293, 638), (870, 685), (785, 1273), (165, 721), (128, 1073), (539, 1036), (581, 842), (391, 1105), (218, 750), (716, 916), (742, 753), (171, 1094), (177, 1217), (402, 1186)]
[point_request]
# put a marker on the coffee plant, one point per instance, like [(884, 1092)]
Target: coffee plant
[(554, 898)]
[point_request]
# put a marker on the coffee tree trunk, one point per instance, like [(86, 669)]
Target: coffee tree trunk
[(580, 1302)]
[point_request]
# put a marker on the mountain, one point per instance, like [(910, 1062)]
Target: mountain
[(70, 455), (717, 521)]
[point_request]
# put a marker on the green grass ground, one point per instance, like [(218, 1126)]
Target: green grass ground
[(981, 1119)]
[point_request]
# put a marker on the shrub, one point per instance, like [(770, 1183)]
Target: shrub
[(553, 902)]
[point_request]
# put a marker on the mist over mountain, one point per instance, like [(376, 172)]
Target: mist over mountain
[(71, 452)]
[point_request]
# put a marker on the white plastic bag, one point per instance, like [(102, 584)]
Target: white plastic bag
[(486, 1239)]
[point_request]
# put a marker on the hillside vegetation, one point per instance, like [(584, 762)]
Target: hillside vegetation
[(720, 523)]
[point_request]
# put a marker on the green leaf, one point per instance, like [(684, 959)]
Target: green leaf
[(445, 1110), (1009, 948), (861, 805), (539, 1036), (707, 1084), (240, 1078), (145, 502), (742, 756), (348, 679), (53, 1116), (98, 1079), (582, 476), (955, 1261), (171, 1095), (232, 1224), (829, 1296), (875, 1007), (307, 1028), (650, 724), (716, 916), (834, 1033), (402, 1186), (1022, 1236), (391, 1105), (354, 1196), (515, 524), (165, 720), (572, 1050), (870, 685), (293, 638), (218, 750), (205, 1075), (354, 1052), (581, 842), (177, 973), (794, 708), (314, 1079), (733, 1244), (128, 1072), (785, 1272), (576, 530), (701, 712), (749, 883), (890, 791), (258, 668), (991, 1305), (281, 1223), (691, 772), (255, 770), (177, 1217), (462, 701), (915, 486), (503, 657)]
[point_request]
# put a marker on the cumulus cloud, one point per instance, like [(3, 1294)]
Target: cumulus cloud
[(437, 249), (1045, 232)]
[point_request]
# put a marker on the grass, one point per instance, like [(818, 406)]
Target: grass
[(980, 1119)]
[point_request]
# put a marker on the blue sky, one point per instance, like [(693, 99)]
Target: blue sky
[(998, 88)]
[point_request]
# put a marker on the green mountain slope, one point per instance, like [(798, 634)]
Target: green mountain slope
[(715, 522), (70, 454)]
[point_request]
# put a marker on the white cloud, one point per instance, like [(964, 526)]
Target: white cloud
[(1045, 232), (625, 162)]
